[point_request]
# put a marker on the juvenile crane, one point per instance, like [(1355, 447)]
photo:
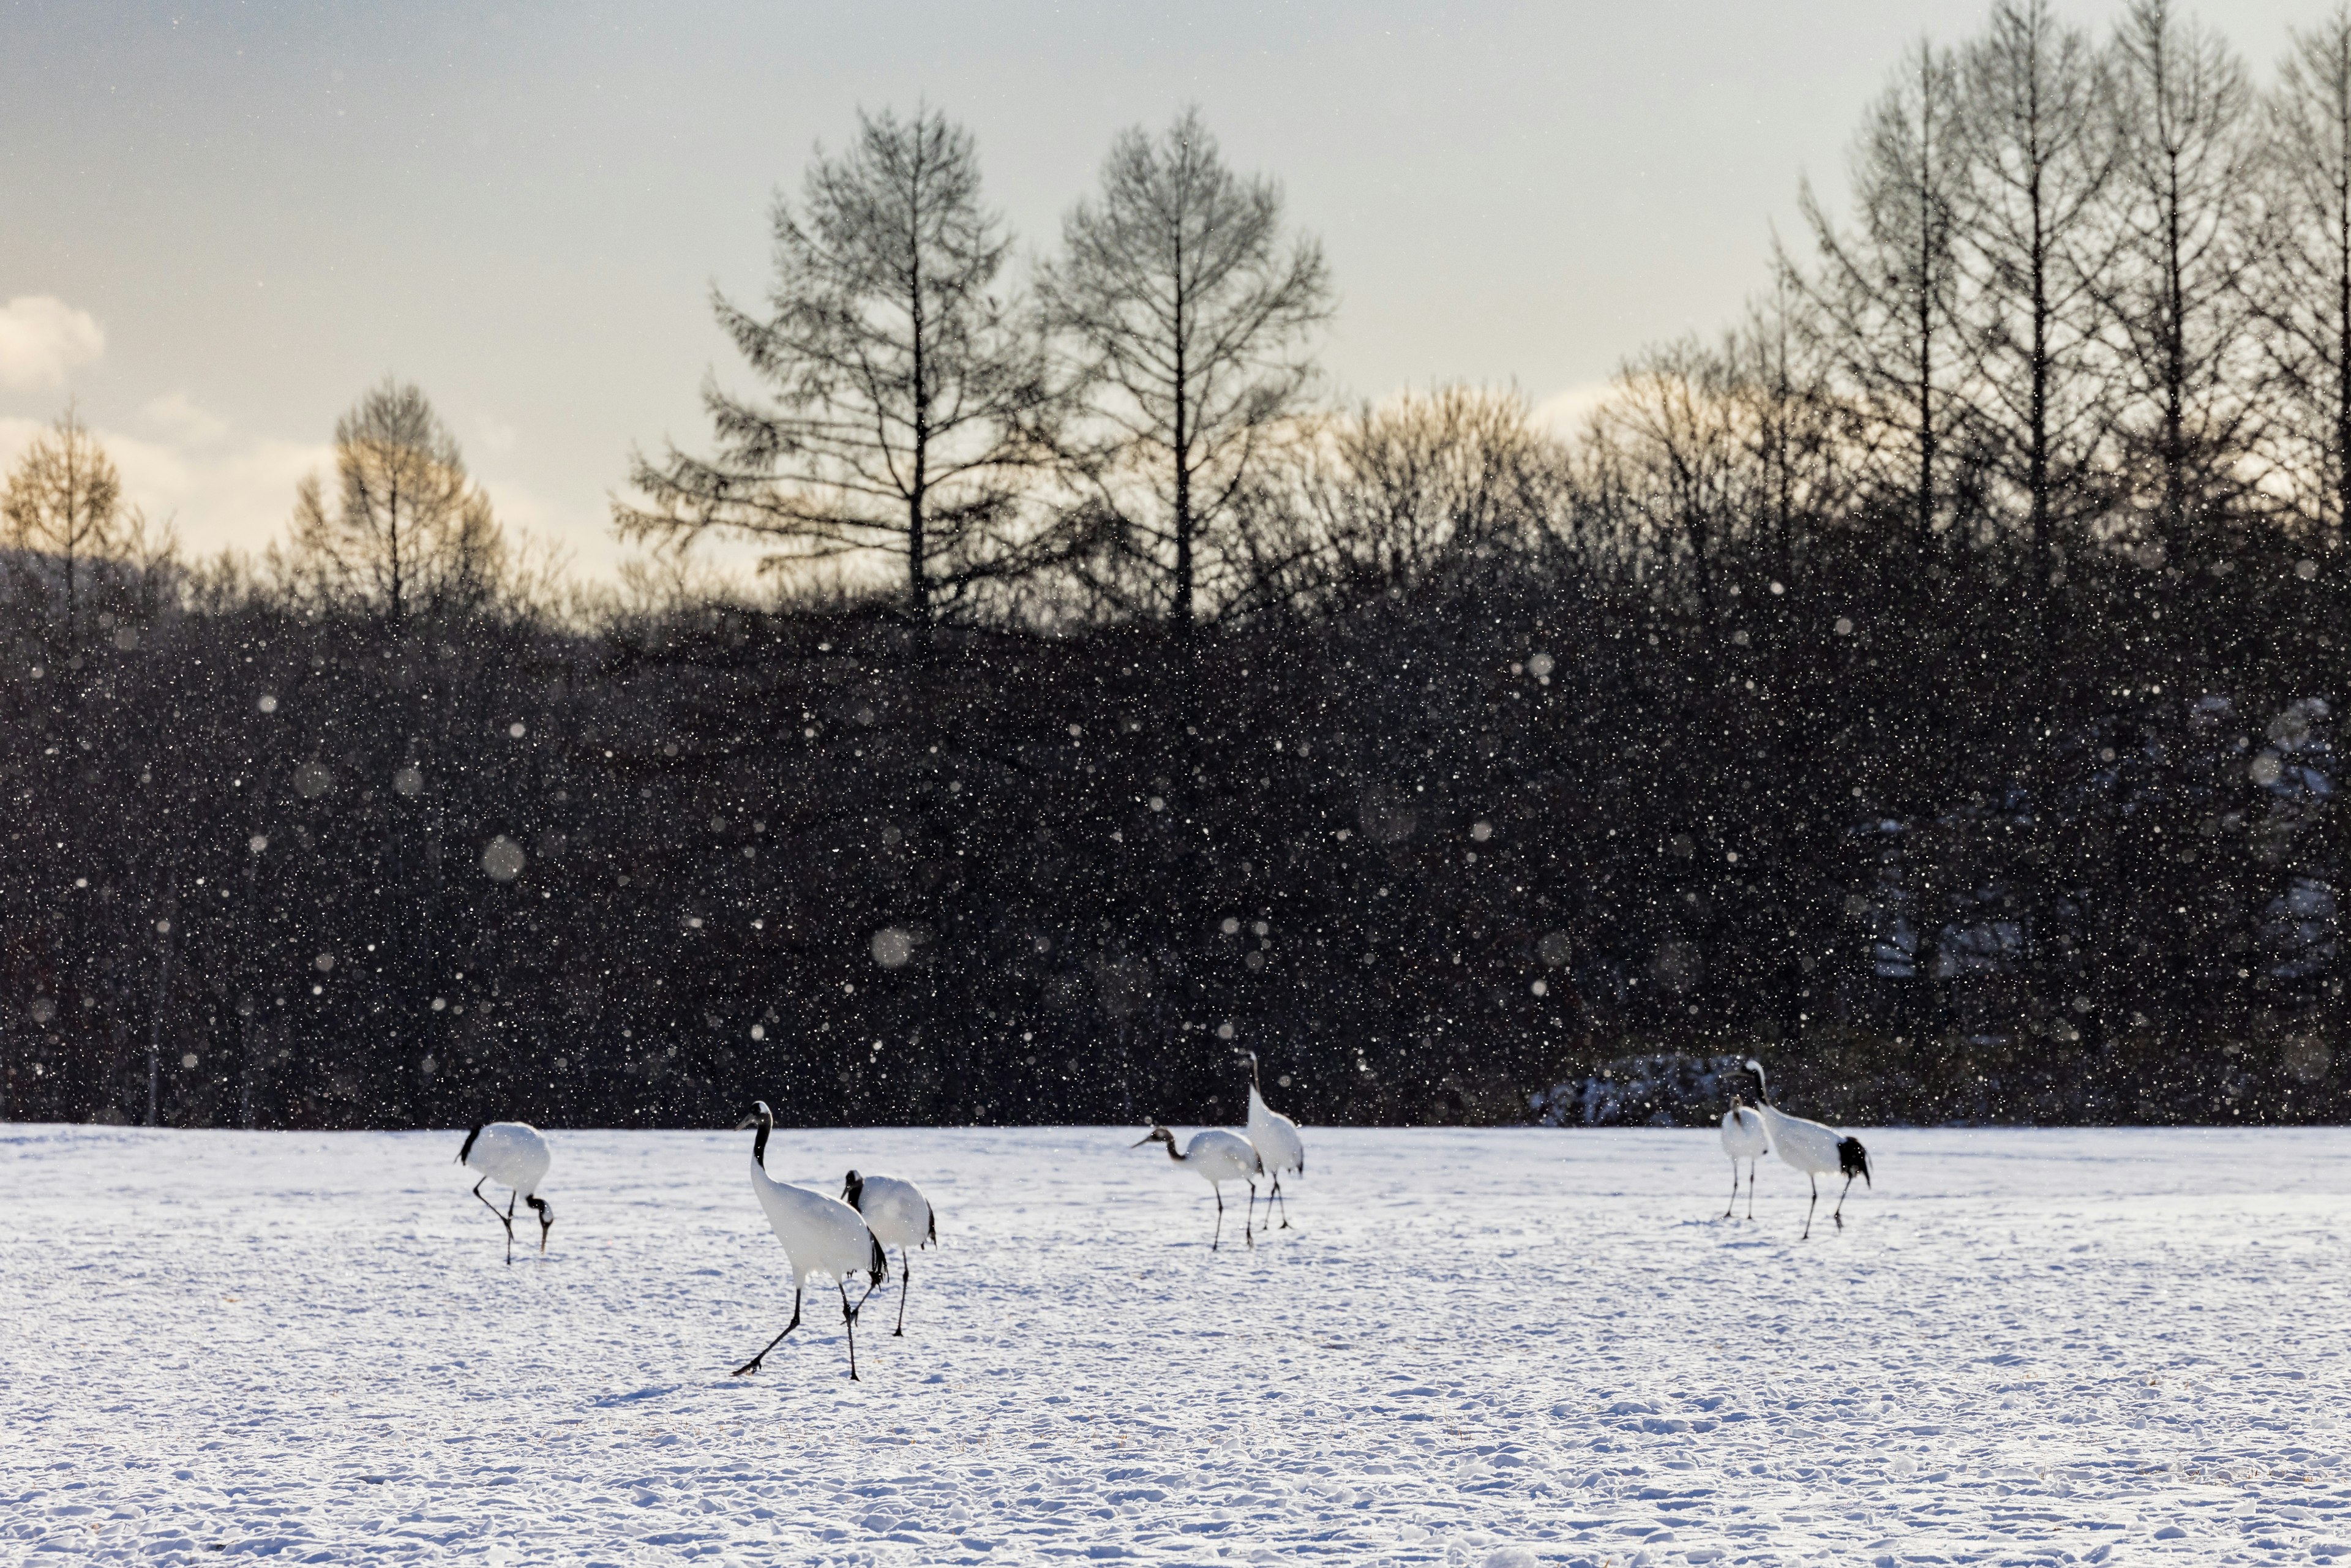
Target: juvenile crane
[(1276, 1139), (822, 1235), (1812, 1148), (514, 1155), (1743, 1139), (896, 1211), (1215, 1156)]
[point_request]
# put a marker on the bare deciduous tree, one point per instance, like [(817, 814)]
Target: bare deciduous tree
[(1395, 495), (908, 402), (1663, 459), (1189, 318)]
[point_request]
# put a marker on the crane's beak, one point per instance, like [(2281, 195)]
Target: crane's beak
[(746, 1123), (1140, 1142)]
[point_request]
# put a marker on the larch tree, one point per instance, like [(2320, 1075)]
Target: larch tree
[(64, 500), (907, 406), (2185, 212), (2301, 287), (407, 532), (1189, 320), (1884, 298), (2041, 155)]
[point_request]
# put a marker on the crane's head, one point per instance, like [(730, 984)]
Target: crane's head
[(1156, 1135), (760, 1116), (1754, 1070), (545, 1218), (852, 1191), (469, 1143)]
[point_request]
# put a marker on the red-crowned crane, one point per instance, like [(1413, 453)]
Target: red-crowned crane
[(1812, 1148), (1215, 1156), (514, 1155), (1743, 1139), (822, 1235), (898, 1213), (1276, 1139)]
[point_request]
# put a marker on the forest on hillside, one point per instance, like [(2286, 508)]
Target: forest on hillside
[(1926, 683)]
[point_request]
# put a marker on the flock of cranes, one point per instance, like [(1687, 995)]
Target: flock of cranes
[(838, 1237)]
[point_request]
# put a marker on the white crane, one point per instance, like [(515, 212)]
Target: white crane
[(1743, 1139), (822, 1235), (1215, 1156), (1812, 1148), (896, 1212), (514, 1155), (1276, 1139)]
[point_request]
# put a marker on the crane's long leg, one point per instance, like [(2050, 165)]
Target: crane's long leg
[(906, 1284), (1750, 1185), (1734, 1188), (753, 1365), (1245, 1229), (505, 1219), (1839, 1214), (848, 1321), (1807, 1236), (1218, 1188), (1285, 1199), (509, 1217)]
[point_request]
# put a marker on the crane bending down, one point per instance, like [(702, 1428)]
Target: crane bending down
[(822, 1235), (514, 1155), (896, 1211), (1215, 1156), (1276, 1139), (1812, 1148), (1743, 1139)]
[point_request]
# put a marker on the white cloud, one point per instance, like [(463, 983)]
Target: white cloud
[(177, 414), (220, 490), (42, 338), (1565, 412)]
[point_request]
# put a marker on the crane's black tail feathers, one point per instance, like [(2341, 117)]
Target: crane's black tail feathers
[(881, 1269), (932, 1240), (1853, 1160)]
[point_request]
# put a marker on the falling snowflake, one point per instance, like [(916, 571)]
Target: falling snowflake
[(503, 860)]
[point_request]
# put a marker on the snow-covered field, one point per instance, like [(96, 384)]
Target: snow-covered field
[(1475, 1347)]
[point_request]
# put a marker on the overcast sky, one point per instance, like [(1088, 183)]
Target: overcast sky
[(219, 223)]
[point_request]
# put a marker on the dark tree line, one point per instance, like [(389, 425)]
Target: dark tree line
[(1926, 684)]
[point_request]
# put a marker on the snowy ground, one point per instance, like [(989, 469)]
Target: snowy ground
[(1482, 1348)]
